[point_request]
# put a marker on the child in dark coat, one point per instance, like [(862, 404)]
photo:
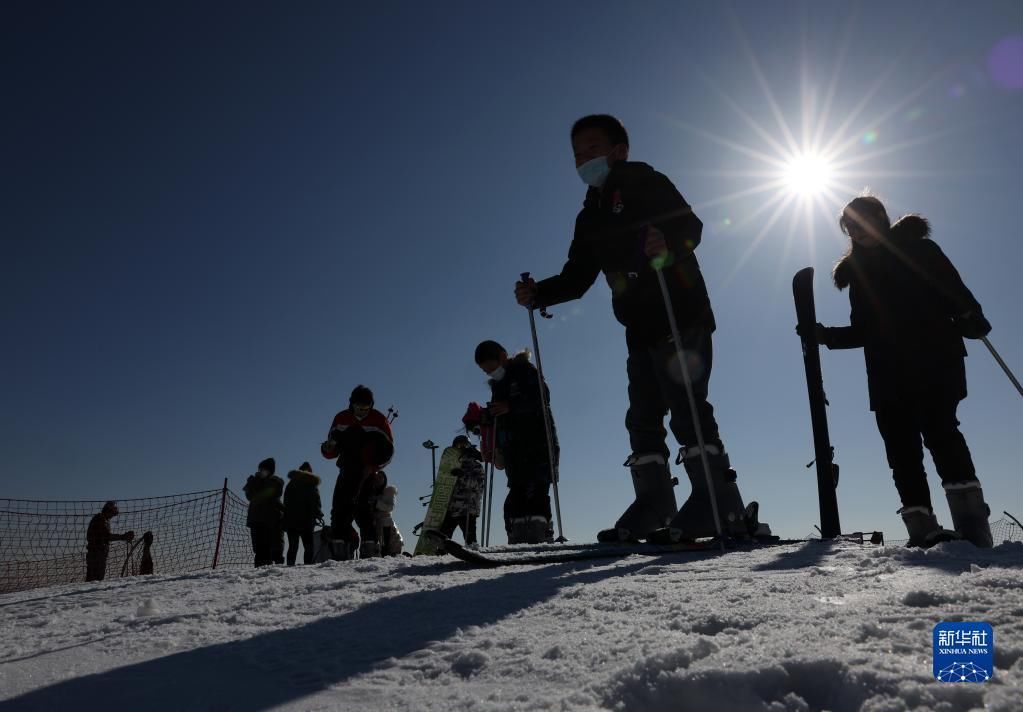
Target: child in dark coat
[(301, 511), (263, 490), (909, 313), (636, 228), (522, 441)]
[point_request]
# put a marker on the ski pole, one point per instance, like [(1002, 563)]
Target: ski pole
[(493, 466), (546, 414), (692, 402), (1002, 364), (483, 499)]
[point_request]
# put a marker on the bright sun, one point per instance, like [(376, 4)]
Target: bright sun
[(807, 174)]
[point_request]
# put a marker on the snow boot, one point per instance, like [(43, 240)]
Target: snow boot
[(695, 519), (654, 505), (969, 512), (530, 530), (340, 550), (923, 528), (369, 549)]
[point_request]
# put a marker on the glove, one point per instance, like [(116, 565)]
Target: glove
[(973, 325), (327, 448), (821, 334), (129, 535)]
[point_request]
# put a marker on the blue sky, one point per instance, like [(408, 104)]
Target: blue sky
[(219, 219)]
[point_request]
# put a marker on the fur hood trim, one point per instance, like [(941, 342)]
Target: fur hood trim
[(906, 230), (298, 475)]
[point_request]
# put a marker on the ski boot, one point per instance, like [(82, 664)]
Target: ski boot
[(969, 512), (923, 528), (530, 530), (344, 543), (369, 549), (695, 519), (654, 505)]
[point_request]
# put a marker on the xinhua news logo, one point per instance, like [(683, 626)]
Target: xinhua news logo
[(964, 652)]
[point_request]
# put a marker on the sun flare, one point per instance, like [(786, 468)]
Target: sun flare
[(808, 175)]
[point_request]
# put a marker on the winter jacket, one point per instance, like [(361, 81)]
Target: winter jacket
[(264, 495), (302, 505), (465, 498), (521, 434), (610, 232), (359, 442), (904, 296), (97, 537)]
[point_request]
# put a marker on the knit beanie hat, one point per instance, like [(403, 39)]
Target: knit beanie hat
[(268, 466)]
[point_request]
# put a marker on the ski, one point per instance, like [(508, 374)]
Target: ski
[(559, 555), (824, 453)]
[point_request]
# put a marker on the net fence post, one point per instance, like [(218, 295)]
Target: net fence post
[(220, 526)]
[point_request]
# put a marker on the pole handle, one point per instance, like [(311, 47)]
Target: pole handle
[(543, 310)]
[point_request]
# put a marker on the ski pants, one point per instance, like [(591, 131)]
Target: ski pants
[(267, 544), (902, 426), (95, 565), (346, 489), (656, 388), (529, 474), (306, 537)]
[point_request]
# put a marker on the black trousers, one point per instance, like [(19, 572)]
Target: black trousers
[(902, 427), (267, 544), (656, 388), (306, 537), (95, 565)]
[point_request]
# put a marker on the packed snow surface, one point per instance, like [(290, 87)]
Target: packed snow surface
[(809, 626)]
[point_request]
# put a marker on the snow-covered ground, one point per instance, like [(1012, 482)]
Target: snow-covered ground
[(802, 627)]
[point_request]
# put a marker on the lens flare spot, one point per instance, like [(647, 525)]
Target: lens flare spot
[(868, 138), (694, 364), (1005, 63)]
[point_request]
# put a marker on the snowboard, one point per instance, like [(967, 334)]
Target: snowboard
[(440, 500), (824, 453), (565, 554)]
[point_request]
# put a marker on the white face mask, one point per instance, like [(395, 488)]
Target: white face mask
[(497, 374), (594, 171)]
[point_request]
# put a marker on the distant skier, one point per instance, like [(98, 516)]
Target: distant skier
[(909, 312), (146, 564), (360, 439), (634, 222), (464, 508), (521, 440), (302, 509), (97, 540), (263, 490)]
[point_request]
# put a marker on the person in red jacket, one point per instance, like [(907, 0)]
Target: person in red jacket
[(361, 441)]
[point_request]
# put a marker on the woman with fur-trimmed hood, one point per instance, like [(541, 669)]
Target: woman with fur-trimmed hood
[(302, 509), (910, 311)]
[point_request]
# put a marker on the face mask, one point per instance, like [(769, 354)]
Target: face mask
[(360, 412), (594, 171), (497, 374)]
